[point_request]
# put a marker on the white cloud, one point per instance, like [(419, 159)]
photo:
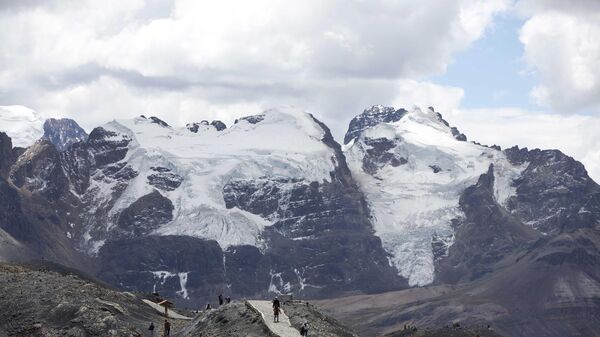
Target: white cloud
[(185, 59), (562, 46), (575, 135), (425, 94)]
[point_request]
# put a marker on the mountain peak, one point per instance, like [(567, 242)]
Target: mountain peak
[(370, 117), (63, 132), (378, 114)]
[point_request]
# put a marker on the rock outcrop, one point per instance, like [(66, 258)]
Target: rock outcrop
[(63, 133)]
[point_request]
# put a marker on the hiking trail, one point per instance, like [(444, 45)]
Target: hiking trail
[(281, 329)]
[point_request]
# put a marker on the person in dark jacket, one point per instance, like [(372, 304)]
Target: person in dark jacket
[(220, 299), (151, 329), (304, 330), (276, 314), (276, 309), (167, 328)]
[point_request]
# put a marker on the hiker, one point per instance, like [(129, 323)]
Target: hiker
[(276, 309), (151, 329), (208, 307), (228, 300), (276, 314), (304, 330), (167, 328), (220, 299)]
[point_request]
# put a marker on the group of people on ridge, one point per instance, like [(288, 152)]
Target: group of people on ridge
[(222, 300)]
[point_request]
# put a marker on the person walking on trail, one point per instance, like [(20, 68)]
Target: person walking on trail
[(276, 314), (151, 329), (220, 299), (167, 329), (276, 309), (304, 330)]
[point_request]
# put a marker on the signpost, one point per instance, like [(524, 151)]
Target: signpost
[(166, 304)]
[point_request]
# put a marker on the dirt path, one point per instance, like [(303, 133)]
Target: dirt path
[(281, 329)]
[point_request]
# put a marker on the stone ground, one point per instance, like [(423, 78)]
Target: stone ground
[(236, 319), (319, 324), (42, 302)]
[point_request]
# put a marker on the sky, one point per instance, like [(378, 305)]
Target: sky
[(504, 72)]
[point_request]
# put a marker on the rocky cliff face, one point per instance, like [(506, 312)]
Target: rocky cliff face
[(38, 171), (554, 193), (35, 204), (484, 237), (7, 157)]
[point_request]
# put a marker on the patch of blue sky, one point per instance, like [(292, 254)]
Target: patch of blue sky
[(492, 71)]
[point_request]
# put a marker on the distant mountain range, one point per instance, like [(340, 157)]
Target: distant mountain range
[(273, 204)]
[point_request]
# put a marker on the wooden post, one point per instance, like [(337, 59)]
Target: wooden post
[(167, 305)]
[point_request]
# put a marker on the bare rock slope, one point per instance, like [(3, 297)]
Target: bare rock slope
[(39, 301)]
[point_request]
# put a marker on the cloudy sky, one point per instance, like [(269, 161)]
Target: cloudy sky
[(505, 72)]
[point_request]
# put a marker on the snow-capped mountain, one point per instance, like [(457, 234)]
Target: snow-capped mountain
[(413, 169), (417, 173), (197, 173), (21, 124)]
